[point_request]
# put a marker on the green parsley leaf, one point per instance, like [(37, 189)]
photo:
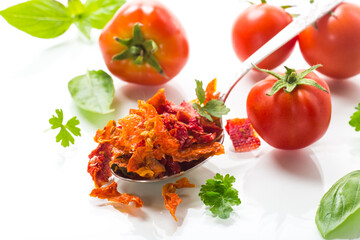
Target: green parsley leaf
[(219, 195), (199, 90), (201, 111), (355, 119), (64, 135), (93, 91), (214, 107)]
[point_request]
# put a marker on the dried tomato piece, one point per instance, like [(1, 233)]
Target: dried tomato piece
[(171, 199), (144, 164), (242, 134), (161, 104), (180, 132), (111, 193), (171, 166), (197, 151), (161, 138), (210, 91), (211, 127), (130, 136), (158, 99), (98, 166), (108, 134)]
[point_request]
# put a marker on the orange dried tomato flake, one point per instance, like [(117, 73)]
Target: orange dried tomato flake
[(158, 99), (197, 151), (210, 91), (109, 134), (171, 199), (143, 163), (111, 193), (242, 134)]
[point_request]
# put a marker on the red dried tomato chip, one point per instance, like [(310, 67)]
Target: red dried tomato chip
[(98, 166), (171, 199), (242, 134), (111, 193)]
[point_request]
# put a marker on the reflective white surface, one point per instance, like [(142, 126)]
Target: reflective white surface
[(45, 187)]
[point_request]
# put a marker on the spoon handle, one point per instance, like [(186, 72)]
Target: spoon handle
[(315, 11)]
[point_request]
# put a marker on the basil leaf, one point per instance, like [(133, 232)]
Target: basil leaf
[(76, 7), (81, 20), (84, 26), (39, 18), (101, 11), (338, 215), (216, 108), (93, 91)]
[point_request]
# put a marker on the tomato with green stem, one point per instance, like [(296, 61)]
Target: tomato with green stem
[(144, 43), (255, 26), (334, 42), (291, 110)]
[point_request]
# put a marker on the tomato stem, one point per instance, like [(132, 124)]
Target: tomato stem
[(140, 50), (292, 79)]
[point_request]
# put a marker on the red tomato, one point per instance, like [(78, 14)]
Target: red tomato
[(257, 25), (153, 58), (335, 43), (289, 120)]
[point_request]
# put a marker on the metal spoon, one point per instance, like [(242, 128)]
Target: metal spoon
[(316, 11)]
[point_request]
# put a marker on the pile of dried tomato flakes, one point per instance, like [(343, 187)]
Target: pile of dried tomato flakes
[(161, 139), (158, 139)]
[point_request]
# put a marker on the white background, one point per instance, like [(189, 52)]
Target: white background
[(45, 187)]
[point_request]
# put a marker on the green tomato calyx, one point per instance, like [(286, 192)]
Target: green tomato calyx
[(291, 79), (140, 50)]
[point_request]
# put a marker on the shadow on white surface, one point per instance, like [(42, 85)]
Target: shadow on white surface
[(154, 212), (127, 209), (285, 182), (344, 88)]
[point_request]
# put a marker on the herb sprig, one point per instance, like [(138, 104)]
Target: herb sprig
[(50, 18), (355, 118), (219, 195), (65, 130), (214, 107)]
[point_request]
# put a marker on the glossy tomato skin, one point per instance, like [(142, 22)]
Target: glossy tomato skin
[(254, 27), (335, 43), (157, 23), (289, 120)]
